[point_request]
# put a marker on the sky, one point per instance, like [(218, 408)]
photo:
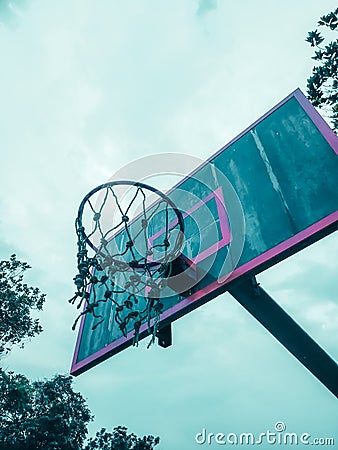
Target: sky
[(86, 88)]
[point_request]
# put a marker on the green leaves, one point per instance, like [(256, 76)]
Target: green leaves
[(45, 414), (318, 55), (314, 38), (330, 20), (119, 439), (17, 300), (322, 85)]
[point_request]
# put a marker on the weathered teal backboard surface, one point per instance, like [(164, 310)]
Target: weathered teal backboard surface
[(267, 194)]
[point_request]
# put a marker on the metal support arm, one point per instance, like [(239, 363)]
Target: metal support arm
[(260, 305)]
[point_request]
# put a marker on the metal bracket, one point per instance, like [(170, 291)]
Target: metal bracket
[(164, 336)]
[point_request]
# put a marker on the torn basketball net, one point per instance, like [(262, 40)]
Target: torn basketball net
[(135, 241)]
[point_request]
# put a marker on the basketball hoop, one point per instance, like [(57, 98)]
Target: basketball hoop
[(128, 262)]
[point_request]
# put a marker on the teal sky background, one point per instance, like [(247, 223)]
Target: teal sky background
[(85, 88)]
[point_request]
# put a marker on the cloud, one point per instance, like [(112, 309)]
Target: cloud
[(10, 12), (206, 6)]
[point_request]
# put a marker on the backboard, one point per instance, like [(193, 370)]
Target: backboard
[(267, 194)]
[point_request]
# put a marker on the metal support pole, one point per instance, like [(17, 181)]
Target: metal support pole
[(260, 305)]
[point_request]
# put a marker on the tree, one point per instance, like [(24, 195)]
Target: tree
[(119, 439), (41, 415), (49, 415), (322, 86), (17, 300)]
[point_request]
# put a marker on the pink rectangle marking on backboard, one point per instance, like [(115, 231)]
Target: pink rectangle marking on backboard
[(223, 220)]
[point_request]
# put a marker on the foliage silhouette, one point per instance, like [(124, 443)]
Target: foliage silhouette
[(322, 85), (17, 300)]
